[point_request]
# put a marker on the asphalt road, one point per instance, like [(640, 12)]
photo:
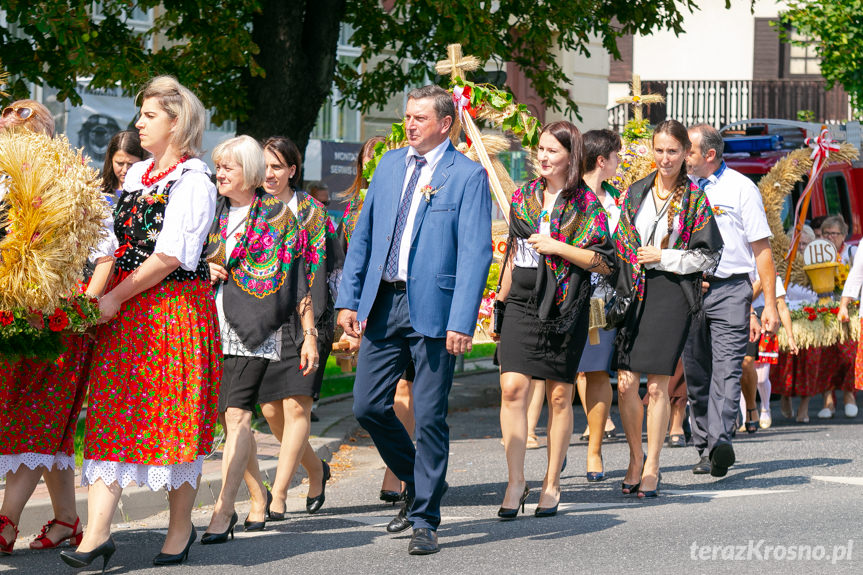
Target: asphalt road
[(792, 504)]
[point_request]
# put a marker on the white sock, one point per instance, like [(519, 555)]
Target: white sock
[(764, 385)]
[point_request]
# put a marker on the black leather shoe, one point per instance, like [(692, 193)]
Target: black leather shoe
[(78, 560), (313, 504), (423, 542), (215, 538), (166, 559), (508, 514), (259, 525), (400, 522), (721, 458), (702, 467)]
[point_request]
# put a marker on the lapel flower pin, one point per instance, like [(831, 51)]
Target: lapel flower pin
[(427, 191)]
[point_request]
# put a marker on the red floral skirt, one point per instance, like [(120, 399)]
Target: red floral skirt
[(154, 386), (40, 402), (839, 360), (802, 375)]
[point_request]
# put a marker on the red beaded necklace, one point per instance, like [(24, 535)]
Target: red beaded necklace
[(149, 181)]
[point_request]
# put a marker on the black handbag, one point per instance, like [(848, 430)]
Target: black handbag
[(497, 316)]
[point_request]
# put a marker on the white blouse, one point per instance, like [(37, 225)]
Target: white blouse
[(525, 256), (680, 262), (189, 213)]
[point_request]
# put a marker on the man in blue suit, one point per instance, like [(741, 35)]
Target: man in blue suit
[(415, 273)]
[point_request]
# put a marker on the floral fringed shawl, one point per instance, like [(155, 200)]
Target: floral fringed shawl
[(349, 221), (324, 259), (265, 267), (562, 288), (698, 231)]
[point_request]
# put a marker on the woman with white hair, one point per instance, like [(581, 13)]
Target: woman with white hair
[(255, 263), (157, 363)]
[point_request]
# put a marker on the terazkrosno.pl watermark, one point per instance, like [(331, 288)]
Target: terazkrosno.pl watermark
[(761, 550)]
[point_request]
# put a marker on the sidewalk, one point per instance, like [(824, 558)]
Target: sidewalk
[(336, 424)]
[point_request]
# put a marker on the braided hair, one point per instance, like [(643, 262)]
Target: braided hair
[(677, 131)]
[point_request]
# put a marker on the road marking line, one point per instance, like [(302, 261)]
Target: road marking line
[(725, 494), (838, 479)]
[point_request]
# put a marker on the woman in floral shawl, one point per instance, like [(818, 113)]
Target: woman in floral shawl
[(254, 252), (666, 238), (558, 235)]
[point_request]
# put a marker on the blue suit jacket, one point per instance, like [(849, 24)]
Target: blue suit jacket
[(450, 246)]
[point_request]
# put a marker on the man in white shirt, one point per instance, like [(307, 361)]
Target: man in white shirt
[(714, 351)]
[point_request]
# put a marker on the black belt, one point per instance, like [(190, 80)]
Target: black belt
[(731, 278), (396, 285)]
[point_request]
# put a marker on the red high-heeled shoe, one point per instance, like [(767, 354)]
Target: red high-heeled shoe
[(6, 546), (43, 542)]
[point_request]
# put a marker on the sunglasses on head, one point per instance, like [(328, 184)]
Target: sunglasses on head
[(23, 113)]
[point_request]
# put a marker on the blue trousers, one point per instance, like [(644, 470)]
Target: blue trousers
[(389, 343)]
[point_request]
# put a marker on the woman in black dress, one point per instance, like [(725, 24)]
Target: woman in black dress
[(558, 235), (666, 238), (287, 394)]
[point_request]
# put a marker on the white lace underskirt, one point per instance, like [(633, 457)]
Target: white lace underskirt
[(154, 477), (11, 463)]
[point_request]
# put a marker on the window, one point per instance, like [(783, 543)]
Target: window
[(802, 60), (836, 196)]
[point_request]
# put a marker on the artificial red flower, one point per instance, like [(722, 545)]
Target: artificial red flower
[(58, 320), (812, 317), (808, 309), (6, 317), (834, 310)]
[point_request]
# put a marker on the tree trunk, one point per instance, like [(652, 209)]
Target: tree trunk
[(298, 41)]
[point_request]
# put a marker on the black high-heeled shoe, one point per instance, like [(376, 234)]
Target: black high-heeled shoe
[(259, 525), (752, 424), (546, 511), (216, 538), (78, 560), (507, 514), (163, 559), (651, 493), (630, 488), (313, 504), (392, 496)]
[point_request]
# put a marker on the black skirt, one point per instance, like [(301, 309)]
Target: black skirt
[(655, 330), (524, 348), (284, 378), (241, 381)]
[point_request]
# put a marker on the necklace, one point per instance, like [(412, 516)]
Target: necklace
[(149, 181), (660, 196)]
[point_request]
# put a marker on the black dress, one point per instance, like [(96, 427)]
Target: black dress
[(547, 313), (525, 348), (656, 326)]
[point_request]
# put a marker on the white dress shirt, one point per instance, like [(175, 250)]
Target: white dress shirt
[(432, 159), (525, 256), (739, 213)]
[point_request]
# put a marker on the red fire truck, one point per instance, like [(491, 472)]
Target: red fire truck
[(752, 147)]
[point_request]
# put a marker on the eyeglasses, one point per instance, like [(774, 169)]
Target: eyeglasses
[(832, 234), (22, 113)]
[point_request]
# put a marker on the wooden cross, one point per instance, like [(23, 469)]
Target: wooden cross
[(456, 65), (637, 99)]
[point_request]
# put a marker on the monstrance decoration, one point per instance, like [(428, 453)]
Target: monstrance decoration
[(636, 157)]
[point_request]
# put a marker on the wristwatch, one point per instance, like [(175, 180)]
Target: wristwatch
[(311, 331)]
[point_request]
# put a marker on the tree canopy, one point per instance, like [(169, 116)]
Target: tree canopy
[(836, 30), (270, 64)]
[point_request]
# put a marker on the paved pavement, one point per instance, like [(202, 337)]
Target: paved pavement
[(792, 504)]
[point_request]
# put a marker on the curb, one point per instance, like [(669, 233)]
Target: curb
[(138, 503)]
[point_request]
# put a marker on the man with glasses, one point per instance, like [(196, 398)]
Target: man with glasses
[(713, 356)]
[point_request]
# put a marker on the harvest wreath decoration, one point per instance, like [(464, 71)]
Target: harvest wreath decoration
[(51, 214)]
